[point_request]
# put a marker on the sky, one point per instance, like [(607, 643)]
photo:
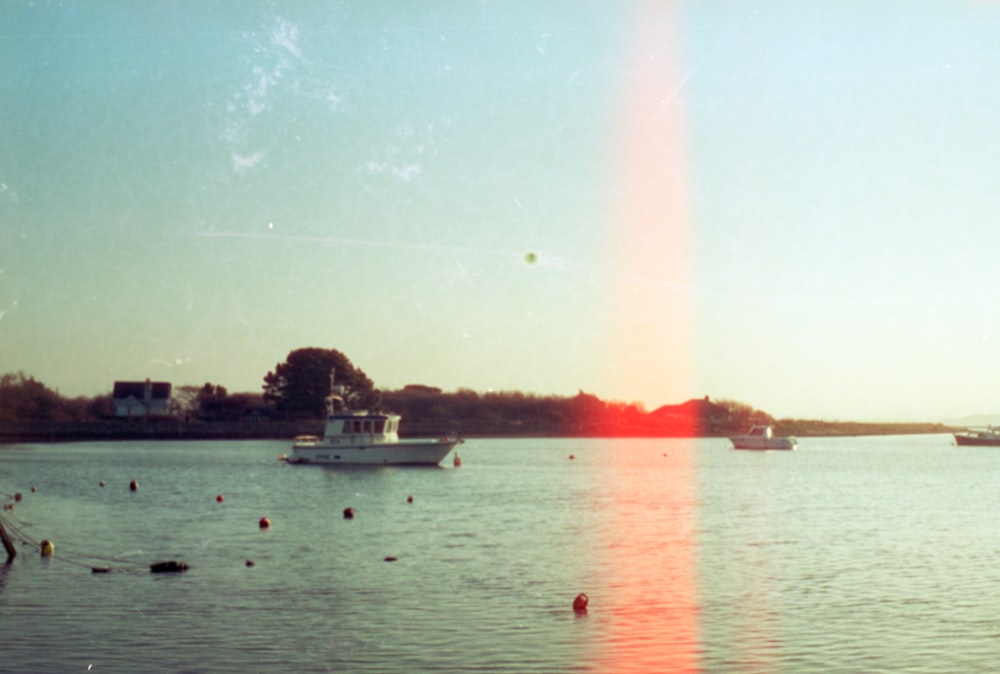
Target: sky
[(792, 205)]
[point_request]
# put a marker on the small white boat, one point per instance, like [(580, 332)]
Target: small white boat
[(762, 437), (357, 437)]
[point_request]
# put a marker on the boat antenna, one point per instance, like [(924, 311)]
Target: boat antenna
[(335, 400)]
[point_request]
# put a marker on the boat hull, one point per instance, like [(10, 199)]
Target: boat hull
[(761, 444), (977, 441), (402, 453)]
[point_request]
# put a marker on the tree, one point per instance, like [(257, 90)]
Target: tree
[(742, 416), (23, 398), (299, 386)]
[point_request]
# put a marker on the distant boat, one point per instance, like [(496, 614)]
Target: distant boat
[(762, 437), (357, 437), (987, 437)]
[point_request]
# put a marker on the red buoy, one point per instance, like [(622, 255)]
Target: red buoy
[(348, 513), (264, 523), (219, 499), (580, 603)]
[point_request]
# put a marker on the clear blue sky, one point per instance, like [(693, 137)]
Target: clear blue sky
[(788, 204)]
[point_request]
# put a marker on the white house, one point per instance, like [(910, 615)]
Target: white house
[(141, 398)]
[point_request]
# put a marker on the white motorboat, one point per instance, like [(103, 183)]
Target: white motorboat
[(358, 437), (763, 437)]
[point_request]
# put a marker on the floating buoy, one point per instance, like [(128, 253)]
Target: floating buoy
[(171, 566), (17, 496), (282, 457), (348, 513), (264, 523), (249, 563), (457, 461), (33, 489), (100, 569), (133, 486), (47, 548), (571, 457), (409, 499), (390, 559), (102, 483), (219, 499), (580, 603)]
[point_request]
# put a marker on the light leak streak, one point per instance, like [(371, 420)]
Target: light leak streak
[(649, 228)]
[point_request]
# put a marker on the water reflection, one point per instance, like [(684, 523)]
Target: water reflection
[(5, 568), (650, 566), (754, 609)]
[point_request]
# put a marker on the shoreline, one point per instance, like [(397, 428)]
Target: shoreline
[(13, 432)]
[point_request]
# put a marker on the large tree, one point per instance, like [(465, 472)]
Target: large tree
[(299, 386), (23, 398)]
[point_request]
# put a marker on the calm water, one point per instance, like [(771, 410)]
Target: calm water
[(848, 555)]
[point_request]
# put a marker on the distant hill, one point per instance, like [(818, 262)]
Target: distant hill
[(976, 420)]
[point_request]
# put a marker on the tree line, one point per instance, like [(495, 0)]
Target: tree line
[(297, 389)]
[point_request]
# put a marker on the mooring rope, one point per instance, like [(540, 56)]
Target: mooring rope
[(15, 528)]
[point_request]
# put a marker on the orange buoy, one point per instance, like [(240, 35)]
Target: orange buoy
[(580, 603), (571, 457), (264, 523), (219, 499), (47, 548), (457, 461), (348, 513)]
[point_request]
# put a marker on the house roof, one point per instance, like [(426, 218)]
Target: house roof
[(160, 390), (697, 406)]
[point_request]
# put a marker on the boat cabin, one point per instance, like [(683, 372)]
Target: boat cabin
[(344, 425), (358, 427), (353, 424)]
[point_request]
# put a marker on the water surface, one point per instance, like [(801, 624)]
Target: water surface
[(847, 555)]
